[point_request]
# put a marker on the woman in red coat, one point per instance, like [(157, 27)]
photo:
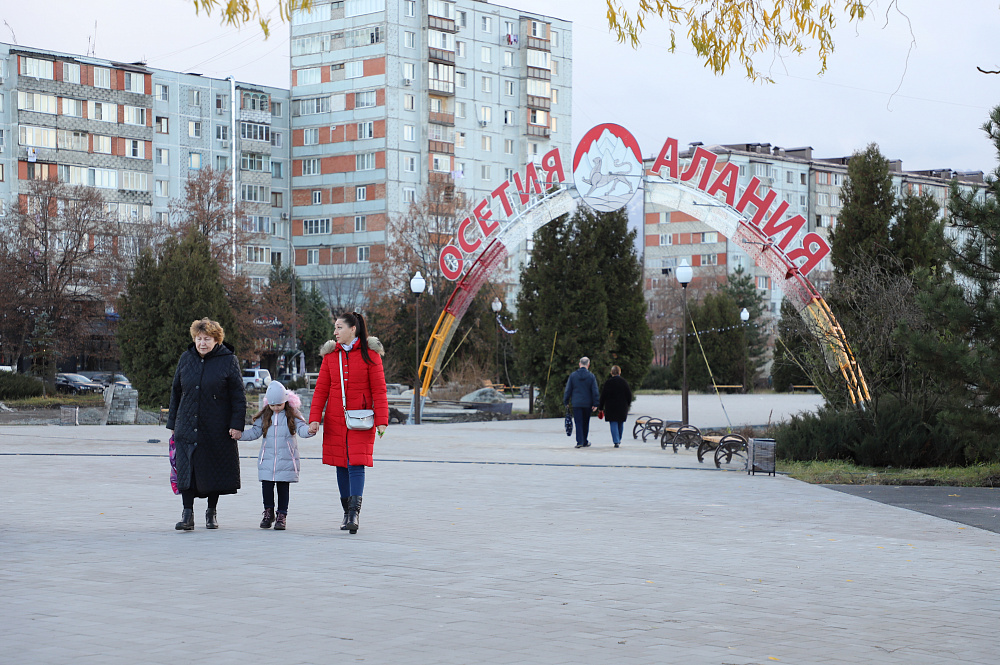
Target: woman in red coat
[(364, 382)]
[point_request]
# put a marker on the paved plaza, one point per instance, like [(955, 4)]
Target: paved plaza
[(491, 542)]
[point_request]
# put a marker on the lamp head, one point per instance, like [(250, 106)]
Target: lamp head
[(684, 273), (417, 283), (496, 305), (744, 315)]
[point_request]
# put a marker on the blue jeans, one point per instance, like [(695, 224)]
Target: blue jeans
[(581, 420), (351, 480), (617, 426)]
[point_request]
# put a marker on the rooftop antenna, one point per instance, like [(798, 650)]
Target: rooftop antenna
[(13, 38), (92, 43)]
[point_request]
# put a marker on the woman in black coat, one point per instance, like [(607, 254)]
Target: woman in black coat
[(207, 415), (616, 398)]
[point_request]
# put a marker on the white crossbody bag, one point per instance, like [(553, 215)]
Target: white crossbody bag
[(356, 418)]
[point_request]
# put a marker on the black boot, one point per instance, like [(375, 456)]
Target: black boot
[(210, 521), (343, 502), (187, 520), (268, 519), (353, 510)]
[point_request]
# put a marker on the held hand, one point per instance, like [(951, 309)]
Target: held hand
[(313, 427), (236, 433), (593, 408), (381, 430)]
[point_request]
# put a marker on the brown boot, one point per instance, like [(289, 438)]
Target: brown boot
[(268, 519), (279, 523)]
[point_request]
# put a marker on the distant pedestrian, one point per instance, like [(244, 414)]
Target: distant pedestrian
[(581, 393), (278, 461), (207, 416), (348, 362), (616, 398)]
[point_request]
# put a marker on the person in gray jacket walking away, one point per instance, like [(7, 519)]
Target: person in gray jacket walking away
[(278, 461), (581, 392)]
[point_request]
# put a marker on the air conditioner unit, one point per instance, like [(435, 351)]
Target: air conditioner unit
[(407, 81), (224, 144), (483, 123), (1, 149), (220, 110), (284, 215)]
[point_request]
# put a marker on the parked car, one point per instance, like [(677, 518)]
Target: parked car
[(256, 379), (76, 384), (107, 378)]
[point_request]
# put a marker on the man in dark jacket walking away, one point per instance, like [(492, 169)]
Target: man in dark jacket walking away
[(581, 392)]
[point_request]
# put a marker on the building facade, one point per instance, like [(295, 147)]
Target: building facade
[(391, 98)]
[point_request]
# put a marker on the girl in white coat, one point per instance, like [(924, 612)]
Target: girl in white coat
[(278, 461)]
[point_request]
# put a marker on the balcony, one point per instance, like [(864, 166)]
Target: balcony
[(438, 178), (539, 102), (440, 55), (539, 73), (538, 130), (509, 40), (442, 118), (444, 24), (540, 44), (441, 147), (441, 87)]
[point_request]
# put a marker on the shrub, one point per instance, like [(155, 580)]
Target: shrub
[(657, 378), (19, 386)]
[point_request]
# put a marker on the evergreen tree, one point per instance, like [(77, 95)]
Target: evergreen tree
[(317, 326), (869, 206), (562, 300), (161, 300), (720, 332), (916, 238), (793, 352), (742, 289)]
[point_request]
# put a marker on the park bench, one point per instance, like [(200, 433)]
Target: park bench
[(646, 425), (804, 389), (725, 447), (675, 434), (737, 388)]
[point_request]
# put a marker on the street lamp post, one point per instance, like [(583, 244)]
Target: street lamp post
[(417, 284), (684, 276), (496, 306), (744, 317)]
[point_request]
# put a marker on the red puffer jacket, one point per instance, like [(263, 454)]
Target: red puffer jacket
[(365, 386)]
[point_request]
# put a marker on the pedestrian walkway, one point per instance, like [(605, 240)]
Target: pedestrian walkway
[(480, 543)]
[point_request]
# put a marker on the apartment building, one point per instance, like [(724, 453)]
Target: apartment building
[(390, 97), (810, 186), (138, 133)]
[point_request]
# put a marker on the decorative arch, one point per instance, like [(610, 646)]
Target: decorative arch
[(766, 249)]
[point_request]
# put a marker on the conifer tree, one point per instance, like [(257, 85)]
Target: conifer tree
[(742, 289), (720, 332), (869, 206), (317, 326), (161, 300)]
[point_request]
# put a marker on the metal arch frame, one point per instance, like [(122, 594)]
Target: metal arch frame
[(674, 194)]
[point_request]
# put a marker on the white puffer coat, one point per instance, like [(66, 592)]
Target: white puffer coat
[(279, 451)]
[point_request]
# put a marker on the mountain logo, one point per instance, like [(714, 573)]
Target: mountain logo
[(607, 167)]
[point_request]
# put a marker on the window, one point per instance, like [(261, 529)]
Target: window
[(194, 97), (73, 107), (802, 178), (788, 177), (486, 114), (360, 223), (837, 179), (135, 116), (354, 69), (136, 181), (409, 70), (252, 161), (459, 108), (486, 54), (666, 239), (365, 161), (35, 68), (222, 132), (763, 282), (409, 195), (308, 76), (487, 23), (71, 72), (361, 193), (312, 227), (136, 149), (194, 129), (255, 131), (310, 136), (162, 188), (461, 18), (409, 102), (555, 67), (310, 166), (276, 139), (102, 77), (256, 254), (276, 109), (365, 100), (487, 84), (508, 146), (277, 200), (409, 133), (254, 193), (310, 106), (102, 144), (508, 88), (460, 79), (363, 254), (411, 8), (835, 199), (554, 38), (276, 170), (312, 257), (257, 224), (487, 143), (555, 96), (440, 163), (366, 130), (410, 164), (459, 140), (538, 59), (409, 39), (460, 49), (32, 101), (508, 174), (135, 82), (484, 172), (162, 125), (553, 124), (508, 118), (508, 58), (194, 160), (68, 140), (822, 199), (162, 156)]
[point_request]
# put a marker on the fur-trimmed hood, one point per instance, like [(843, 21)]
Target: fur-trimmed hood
[(373, 343)]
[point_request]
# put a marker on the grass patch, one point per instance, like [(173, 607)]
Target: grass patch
[(57, 400), (847, 473)]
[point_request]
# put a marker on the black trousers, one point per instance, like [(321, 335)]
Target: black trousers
[(188, 495), (267, 491)]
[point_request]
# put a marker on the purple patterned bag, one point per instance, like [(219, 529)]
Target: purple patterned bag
[(173, 465)]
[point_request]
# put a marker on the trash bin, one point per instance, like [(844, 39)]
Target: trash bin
[(70, 415), (761, 456)]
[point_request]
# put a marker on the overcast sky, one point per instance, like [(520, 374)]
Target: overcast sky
[(922, 102)]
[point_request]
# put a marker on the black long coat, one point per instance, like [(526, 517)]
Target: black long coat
[(206, 401), (616, 398)]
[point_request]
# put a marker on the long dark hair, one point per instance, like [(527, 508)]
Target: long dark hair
[(355, 320), (291, 414)]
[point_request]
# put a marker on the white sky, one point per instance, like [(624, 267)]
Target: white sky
[(932, 121)]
